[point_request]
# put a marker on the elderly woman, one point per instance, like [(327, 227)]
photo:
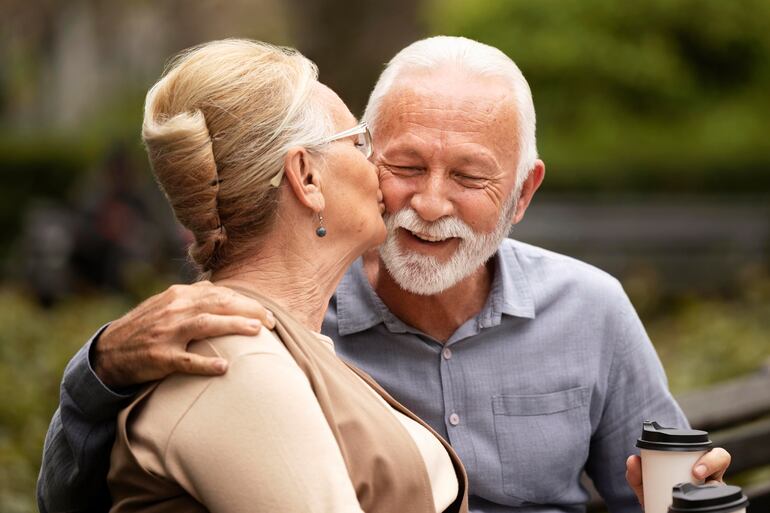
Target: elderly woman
[(268, 170)]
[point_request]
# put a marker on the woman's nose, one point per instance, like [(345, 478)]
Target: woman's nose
[(376, 170)]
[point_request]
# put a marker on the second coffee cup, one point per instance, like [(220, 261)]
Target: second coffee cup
[(668, 456), (690, 498)]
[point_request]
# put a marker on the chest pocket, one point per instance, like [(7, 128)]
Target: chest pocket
[(543, 442)]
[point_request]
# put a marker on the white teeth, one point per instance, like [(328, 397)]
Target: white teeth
[(428, 238)]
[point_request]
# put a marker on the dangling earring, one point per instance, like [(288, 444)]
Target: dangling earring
[(320, 231)]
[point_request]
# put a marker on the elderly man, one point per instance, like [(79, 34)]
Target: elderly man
[(533, 365)]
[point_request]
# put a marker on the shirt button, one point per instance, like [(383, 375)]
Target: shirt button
[(446, 353), (454, 419)]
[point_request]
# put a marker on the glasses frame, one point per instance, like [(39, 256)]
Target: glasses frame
[(360, 129)]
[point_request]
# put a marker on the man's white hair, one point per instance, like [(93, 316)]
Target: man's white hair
[(472, 58)]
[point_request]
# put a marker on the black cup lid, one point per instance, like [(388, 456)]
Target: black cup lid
[(659, 438), (690, 498)]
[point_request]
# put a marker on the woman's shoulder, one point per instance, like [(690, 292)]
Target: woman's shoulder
[(176, 394), (233, 347), (158, 411)]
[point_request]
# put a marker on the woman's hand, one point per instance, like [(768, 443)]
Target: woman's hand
[(710, 467), (150, 342)]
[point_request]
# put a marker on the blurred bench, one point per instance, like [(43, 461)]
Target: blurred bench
[(737, 416), (675, 242)]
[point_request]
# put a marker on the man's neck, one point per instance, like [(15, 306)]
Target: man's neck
[(439, 315)]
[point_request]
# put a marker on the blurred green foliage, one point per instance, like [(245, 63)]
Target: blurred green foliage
[(49, 165), (657, 95), (704, 341), (35, 345), (34, 170)]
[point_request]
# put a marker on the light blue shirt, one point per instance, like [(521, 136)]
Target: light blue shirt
[(555, 375)]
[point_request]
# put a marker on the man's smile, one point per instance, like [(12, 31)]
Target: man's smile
[(440, 247), (428, 238)]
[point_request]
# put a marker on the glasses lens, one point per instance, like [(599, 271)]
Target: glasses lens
[(364, 145)]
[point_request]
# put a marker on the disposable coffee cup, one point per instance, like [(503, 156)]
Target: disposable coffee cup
[(690, 498), (668, 456)]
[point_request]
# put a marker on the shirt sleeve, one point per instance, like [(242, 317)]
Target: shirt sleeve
[(257, 440), (79, 440), (637, 390)]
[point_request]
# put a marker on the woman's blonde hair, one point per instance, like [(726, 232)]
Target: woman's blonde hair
[(217, 126)]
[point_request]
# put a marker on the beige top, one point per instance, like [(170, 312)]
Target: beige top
[(256, 439)]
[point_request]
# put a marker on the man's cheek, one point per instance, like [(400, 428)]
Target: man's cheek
[(394, 192)]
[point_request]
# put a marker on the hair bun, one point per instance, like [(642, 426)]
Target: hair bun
[(182, 158), (207, 248)]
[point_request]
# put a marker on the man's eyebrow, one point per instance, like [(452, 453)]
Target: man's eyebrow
[(479, 158), (402, 151)]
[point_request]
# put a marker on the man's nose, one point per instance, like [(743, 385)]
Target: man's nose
[(431, 201)]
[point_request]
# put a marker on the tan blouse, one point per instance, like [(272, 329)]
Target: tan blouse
[(260, 439)]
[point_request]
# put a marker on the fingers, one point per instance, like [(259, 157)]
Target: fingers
[(191, 363), (634, 477), (634, 470), (150, 341), (712, 465), (209, 325), (209, 298)]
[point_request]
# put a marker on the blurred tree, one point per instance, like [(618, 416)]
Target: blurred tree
[(73, 77), (352, 42), (660, 94)]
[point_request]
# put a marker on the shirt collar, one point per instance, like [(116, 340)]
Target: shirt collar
[(359, 308)]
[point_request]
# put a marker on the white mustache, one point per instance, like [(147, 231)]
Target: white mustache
[(444, 228)]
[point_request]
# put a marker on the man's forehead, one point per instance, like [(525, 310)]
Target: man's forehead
[(450, 106), (447, 94)]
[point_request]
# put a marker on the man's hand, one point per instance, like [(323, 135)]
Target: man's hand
[(150, 342), (710, 467)]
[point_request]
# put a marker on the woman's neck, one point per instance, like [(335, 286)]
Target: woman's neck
[(301, 277)]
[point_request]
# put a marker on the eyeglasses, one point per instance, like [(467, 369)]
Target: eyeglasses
[(363, 143), (363, 140)]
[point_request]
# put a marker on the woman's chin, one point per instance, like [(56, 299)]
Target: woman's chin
[(382, 233), (376, 238)]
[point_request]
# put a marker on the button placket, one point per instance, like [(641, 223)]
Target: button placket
[(445, 357)]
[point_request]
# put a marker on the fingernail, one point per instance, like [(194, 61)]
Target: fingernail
[(254, 323), (700, 471), (220, 365), (270, 319)]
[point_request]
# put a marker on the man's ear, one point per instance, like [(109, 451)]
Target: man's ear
[(528, 189), (302, 173)]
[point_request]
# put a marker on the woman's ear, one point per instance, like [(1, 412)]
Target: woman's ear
[(302, 173)]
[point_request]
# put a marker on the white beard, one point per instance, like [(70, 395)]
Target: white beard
[(426, 275)]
